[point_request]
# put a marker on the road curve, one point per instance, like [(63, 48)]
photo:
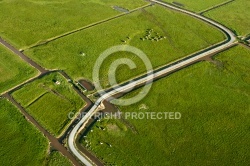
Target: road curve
[(151, 75)]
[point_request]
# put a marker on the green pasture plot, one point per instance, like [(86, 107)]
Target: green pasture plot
[(56, 110), (28, 94), (172, 35), (20, 142), (213, 99), (195, 5), (30, 21), (48, 102), (234, 15), (57, 159), (13, 70)]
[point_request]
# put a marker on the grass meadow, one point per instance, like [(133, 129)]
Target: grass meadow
[(77, 53), (234, 15), (30, 21), (20, 142), (48, 102), (13, 70), (214, 101), (196, 5), (57, 159)]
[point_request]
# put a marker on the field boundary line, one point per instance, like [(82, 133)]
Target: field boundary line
[(23, 56), (39, 43), (21, 84), (35, 100), (63, 131), (216, 6), (26, 82), (53, 141)]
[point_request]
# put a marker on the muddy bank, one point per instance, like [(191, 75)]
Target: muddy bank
[(85, 84), (109, 108)]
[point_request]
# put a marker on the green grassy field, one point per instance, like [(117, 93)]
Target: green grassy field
[(29, 21), (195, 5), (57, 159), (13, 70), (77, 53), (214, 101), (234, 15), (20, 142), (48, 102)]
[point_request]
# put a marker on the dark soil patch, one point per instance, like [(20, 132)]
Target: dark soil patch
[(109, 108), (86, 85)]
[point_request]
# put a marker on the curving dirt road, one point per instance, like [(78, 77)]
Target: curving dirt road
[(151, 75)]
